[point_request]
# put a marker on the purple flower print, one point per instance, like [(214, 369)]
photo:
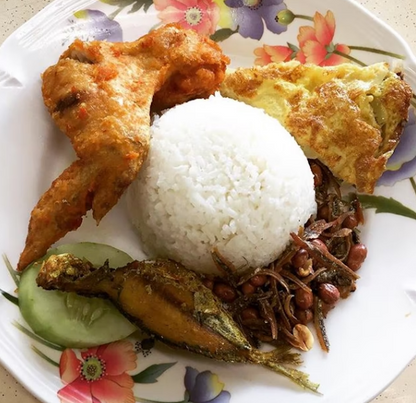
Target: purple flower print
[(204, 387), (251, 15), (402, 164), (99, 26)]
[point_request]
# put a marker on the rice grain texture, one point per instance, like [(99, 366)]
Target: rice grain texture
[(220, 173)]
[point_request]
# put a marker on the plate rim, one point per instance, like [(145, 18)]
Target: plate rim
[(23, 374)]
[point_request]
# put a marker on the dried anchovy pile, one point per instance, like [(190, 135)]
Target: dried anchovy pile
[(274, 304)]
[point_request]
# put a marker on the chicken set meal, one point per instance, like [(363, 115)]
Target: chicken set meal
[(241, 185)]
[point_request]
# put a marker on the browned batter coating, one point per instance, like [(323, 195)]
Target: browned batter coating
[(100, 95), (349, 117)]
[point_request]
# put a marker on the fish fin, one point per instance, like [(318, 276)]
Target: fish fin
[(283, 355), (211, 314), (275, 361), (299, 377)]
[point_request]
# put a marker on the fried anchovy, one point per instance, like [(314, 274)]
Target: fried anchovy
[(324, 257)]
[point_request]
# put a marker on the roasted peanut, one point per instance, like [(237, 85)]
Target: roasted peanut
[(350, 222), (320, 244), (250, 313), (303, 337), (305, 316), (208, 283), (356, 257), (225, 292), (300, 258), (323, 213), (258, 280), (248, 288), (303, 298), (328, 293)]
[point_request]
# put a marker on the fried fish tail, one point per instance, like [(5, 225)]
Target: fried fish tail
[(275, 361), (171, 303)]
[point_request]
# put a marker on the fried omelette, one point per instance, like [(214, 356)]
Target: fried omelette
[(100, 94), (347, 116)]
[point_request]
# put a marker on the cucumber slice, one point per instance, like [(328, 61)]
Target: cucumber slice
[(68, 319)]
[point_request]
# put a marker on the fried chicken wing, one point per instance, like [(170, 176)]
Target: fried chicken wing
[(100, 94)]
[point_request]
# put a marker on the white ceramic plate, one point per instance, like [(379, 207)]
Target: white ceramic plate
[(372, 333)]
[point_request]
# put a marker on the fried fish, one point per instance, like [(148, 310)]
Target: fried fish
[(171, 303), (349, 117)]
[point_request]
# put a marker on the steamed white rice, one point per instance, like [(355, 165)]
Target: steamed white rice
[(220, 174)]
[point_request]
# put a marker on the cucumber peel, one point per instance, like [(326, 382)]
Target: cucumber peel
[(68, 319)]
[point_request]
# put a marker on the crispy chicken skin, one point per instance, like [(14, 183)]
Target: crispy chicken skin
[(349, 117), (100, 94)]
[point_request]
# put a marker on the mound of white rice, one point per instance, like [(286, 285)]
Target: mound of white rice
[(220, 173)]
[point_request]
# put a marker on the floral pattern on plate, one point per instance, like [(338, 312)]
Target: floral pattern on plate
[(100, 374), (104, 374), (220, 19), (104, 28), (200, 15), (250, 16), (315, 44)]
